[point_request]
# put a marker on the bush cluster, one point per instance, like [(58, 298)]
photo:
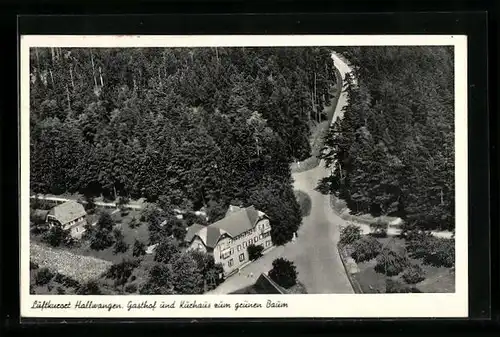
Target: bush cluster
[(434, 251), (349, 234), (391, 262), (43, 276), (413, 274), (365, 249), (33, 265)]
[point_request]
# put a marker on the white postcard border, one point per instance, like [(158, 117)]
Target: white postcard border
[(311, 305)]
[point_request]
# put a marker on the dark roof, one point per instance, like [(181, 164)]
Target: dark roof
[(68, 211), (238, 221), (191, 231), (208, 234)]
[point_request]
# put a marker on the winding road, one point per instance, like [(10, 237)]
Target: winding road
[(315, 251)]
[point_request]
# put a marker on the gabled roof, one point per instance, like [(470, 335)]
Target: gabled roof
[(68, 211), (237, 221), (192, 231)]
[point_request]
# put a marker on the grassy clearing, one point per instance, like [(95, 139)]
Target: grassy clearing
[(437, 279)]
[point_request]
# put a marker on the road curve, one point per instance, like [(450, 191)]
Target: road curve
[(315, 251)]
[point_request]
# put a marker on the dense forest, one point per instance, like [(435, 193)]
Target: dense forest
[(393, 151), (183, 127)]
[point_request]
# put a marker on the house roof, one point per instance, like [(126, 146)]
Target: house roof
[(191, 231), (237, 221), (68, 211)]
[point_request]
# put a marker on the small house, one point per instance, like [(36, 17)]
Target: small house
[(70, 215)]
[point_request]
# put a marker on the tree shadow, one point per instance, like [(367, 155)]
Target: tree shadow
[(304, 201)]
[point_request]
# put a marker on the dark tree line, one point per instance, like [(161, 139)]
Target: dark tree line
[(189, 126), (393, 152)]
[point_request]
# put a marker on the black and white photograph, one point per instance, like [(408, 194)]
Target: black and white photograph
[(241, 169)]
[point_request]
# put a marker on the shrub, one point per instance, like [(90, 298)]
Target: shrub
[(304, 202), (120, 272), (441, 253), (349, 234), (60, 291), (56, 236), (254, 251), (365, 249), (66, 281), (413, 274), (418, 243), (391, 262), (435, 251), (120, 247), (33, 265), (101, 239), (90, 204), (131, 288), (139, 248), (89, 288), (379, 229), (283, 273), (393, 286), (43, 276), (59, 278)]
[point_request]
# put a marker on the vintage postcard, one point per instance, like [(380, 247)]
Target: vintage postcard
[(244, 176)]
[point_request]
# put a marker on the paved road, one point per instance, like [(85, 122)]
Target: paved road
[(315, 250)]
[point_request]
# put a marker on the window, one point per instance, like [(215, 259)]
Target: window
[(255, 239), (239, 247), (225, 254), (230, 241), (245, 244), (268, 243), (261, 237), (230, 263), (242, 257), (232, 251)]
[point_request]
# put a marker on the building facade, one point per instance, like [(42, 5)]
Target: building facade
[(71, 216), (229, 238)]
